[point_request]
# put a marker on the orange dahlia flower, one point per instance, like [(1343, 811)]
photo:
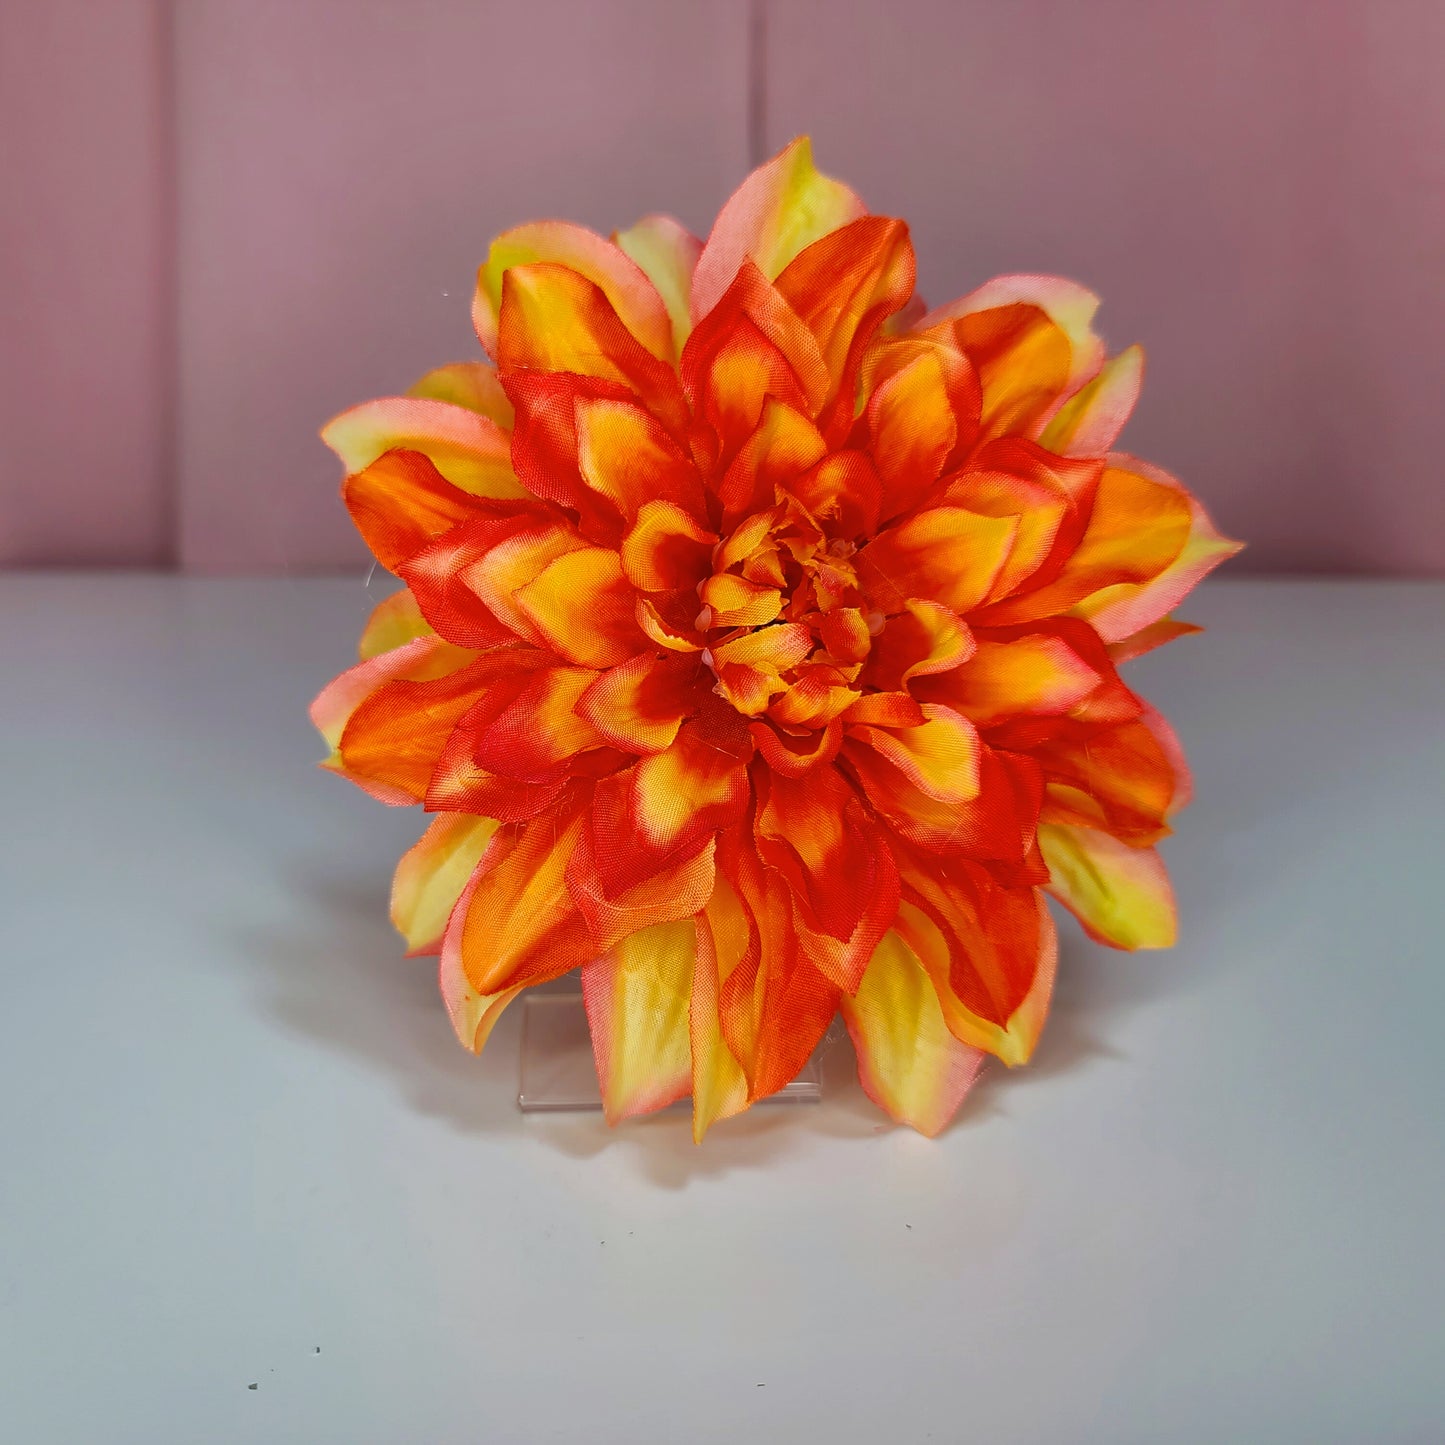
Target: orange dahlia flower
[(757, 653)]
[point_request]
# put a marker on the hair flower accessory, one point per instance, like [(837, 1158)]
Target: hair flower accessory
[(758, 649)]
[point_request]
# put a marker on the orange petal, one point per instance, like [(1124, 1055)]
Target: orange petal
[(637, 997), (394, 621), (773, 648), (991, 953), (751, 347), (815, 833), (472, 384), (1032, 343), (1120, 894), (395, 737), (432, 874), (686, 793), (629, 292), (793, 755), (736, 602), (845, 285), (774, 1005), (515, 924), (909, 1063), (1118, 776), (583, 608), (338, 702), (997, 824), (1035, 673), (400, 502), (470, 450), (1137, 527), (1156, 634), (1048, 496), (912, 430), (923, 640), (677, 890), (940, 756), (1130, 605), (782, 447), (947, 554), (667, 252), (666, 548), (535, 735), (664, 627), (639, 705), (554, 319), (1089, 423), (779, 209), (625, 456)]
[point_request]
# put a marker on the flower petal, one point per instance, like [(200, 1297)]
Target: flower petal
[(394, 621), (844, 286), (395, 737), (666, 549), (1156, 634), (584, 609), (939, 756), (1089, 423), (431, 876), (629, 292), (637, 996), (639, 705), (625, 456), (774, 1004), (1138, 526), (947, 554), (909, 1063), (400, 503), (924, 639), (553, 319), (751, 347), (779, 209), (1120, 894), (667, 253), (677, 891), (912, 430), (470, 450), (719, 1085), (990, 951), (472, 384), (338, 702), (1036, 673), (1032, 343), (1131, 605), (515, 924)]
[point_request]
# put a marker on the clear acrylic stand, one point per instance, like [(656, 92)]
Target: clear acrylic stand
[(558, 1074)]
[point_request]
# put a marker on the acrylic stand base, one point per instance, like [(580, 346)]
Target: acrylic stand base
[(558, 1074)]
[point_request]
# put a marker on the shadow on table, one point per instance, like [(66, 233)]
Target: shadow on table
[(338, 977)]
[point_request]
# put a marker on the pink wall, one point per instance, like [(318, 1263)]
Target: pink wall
[(1256, 187), (85, 283)]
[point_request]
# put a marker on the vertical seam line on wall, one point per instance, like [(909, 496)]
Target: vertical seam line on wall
[(168, 300), (757, 82)]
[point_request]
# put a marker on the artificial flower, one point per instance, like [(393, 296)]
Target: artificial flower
[(758, 649)]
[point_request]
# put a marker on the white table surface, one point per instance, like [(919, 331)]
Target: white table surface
[(241, 1147)]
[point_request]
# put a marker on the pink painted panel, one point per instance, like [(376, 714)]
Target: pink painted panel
[(1256, 190), (84, 283), (342, 167)]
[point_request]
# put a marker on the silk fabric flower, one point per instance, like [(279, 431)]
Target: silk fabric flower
[(758, 649)]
